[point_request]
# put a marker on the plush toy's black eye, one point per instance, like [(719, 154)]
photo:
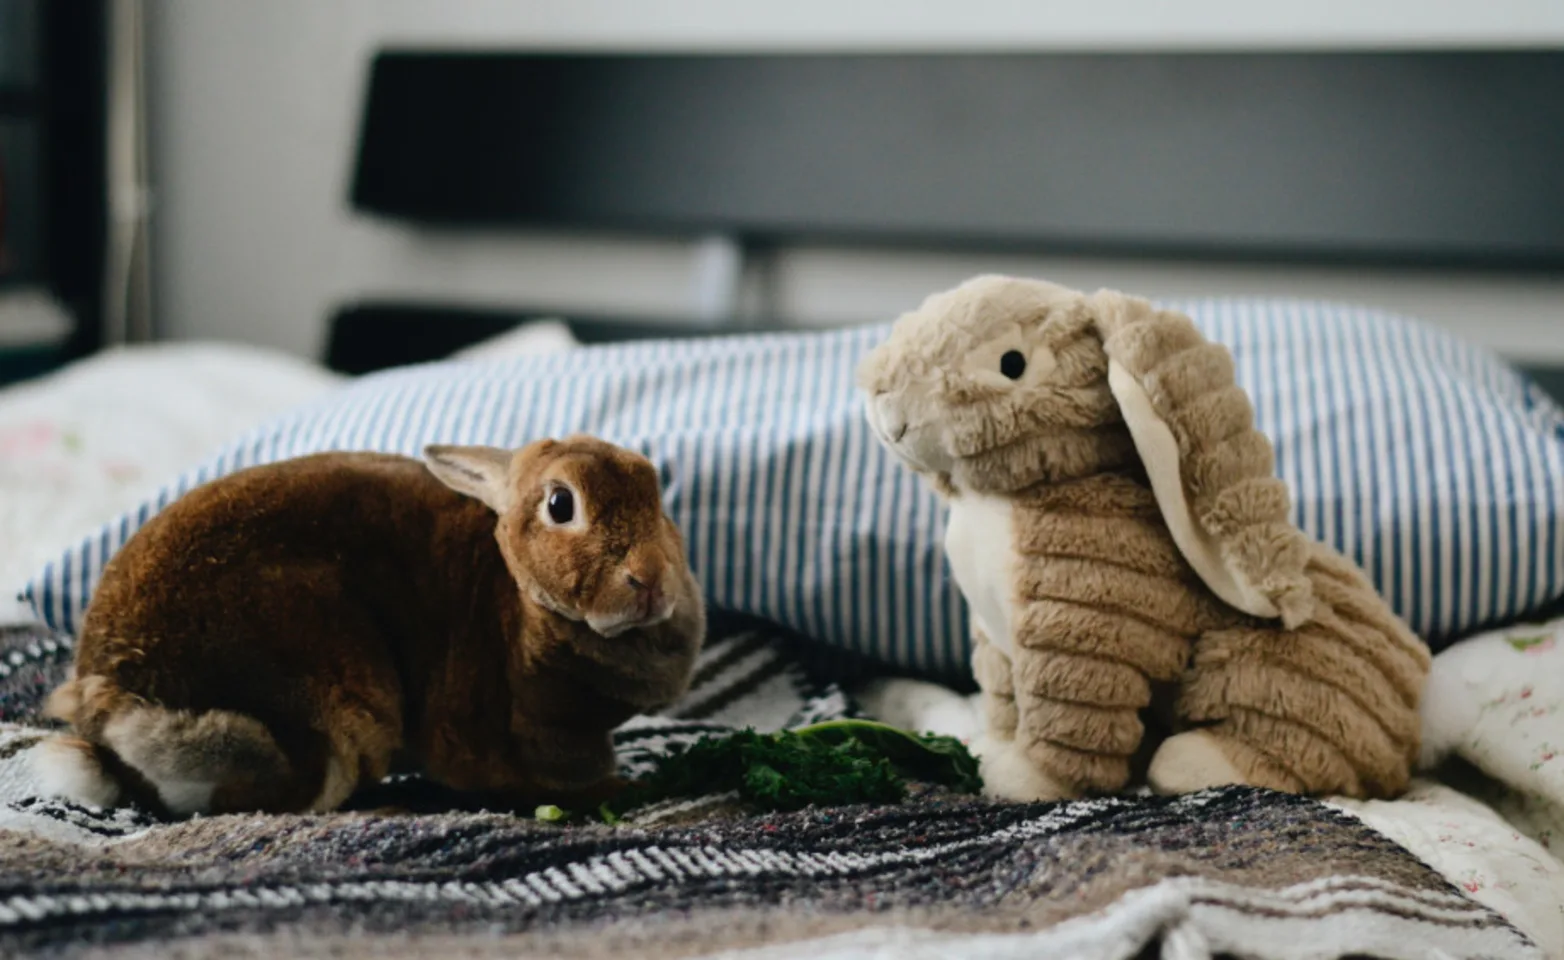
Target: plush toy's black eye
[(561, 506), (1012, 364)]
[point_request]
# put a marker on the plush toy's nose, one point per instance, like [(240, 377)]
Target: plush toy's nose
[(886, 421)]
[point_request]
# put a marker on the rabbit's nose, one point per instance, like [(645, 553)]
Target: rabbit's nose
[(646, 585), (644, 582)]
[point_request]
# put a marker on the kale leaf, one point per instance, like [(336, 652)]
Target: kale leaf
[(833, 763)]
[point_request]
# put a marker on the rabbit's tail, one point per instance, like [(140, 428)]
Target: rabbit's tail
[(126, 749)]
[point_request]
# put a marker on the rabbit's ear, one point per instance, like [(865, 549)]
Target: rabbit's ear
[(482, 473), (1211, 471)]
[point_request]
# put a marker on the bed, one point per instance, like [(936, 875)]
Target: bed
[(1474, 857), (1461, 866)]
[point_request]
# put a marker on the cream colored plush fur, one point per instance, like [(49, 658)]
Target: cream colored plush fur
[(1118, 530)]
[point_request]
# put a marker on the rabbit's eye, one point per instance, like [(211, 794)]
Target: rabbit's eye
[(1012, 364), (561, 506)]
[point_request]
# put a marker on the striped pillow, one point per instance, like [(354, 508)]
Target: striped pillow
[(1437, 467)]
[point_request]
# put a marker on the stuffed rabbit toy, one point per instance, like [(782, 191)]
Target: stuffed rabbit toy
[(281, 636), (1116, 529)]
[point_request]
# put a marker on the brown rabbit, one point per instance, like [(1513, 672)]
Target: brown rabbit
[(283, 635)]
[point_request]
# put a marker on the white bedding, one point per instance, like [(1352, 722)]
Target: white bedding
[(95, 439)]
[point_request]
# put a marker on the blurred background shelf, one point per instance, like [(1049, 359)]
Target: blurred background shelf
[(53, 198), (17, 102)]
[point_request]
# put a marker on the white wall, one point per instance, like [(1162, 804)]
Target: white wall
[(254, 115)]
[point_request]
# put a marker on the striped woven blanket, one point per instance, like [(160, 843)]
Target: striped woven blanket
[(1232, 872)]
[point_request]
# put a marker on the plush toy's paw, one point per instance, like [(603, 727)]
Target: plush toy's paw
[(1192, 761), (1009, 775), (920, 706)]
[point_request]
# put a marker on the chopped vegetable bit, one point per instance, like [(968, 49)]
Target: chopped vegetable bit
[(832, 763)]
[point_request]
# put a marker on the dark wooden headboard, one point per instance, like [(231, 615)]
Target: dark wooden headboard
[(1450, 160)]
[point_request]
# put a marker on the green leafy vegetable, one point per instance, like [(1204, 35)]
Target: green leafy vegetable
[(832, 763)]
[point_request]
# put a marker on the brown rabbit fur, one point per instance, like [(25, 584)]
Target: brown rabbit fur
[(1115, 525), (281, 636)]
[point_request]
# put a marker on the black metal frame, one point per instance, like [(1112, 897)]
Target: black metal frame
[(369, 336)]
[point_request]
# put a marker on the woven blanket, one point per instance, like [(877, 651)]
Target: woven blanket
[(413, 871)]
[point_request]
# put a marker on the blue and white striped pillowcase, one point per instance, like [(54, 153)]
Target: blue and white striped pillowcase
[(1424, 458)]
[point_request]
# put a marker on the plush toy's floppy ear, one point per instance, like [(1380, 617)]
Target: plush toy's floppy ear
[(1212, 472), (482, 473)]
